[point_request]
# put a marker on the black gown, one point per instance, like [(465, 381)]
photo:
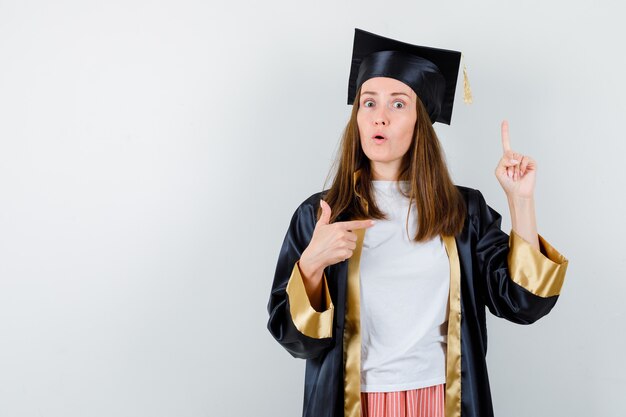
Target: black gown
[(488, 268)]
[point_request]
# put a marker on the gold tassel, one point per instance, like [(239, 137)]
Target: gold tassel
[(467, 92)]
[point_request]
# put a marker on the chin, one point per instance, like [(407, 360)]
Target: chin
[(379, 159)]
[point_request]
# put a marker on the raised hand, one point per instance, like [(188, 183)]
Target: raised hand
[(515, 172), (331, 242)]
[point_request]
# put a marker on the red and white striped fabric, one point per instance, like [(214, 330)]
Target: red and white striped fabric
[(422, 402)]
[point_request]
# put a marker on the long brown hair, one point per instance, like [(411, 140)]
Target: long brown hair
[(440, 206)]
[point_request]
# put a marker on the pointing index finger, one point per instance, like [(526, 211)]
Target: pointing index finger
[(506, 143), (355, 224)]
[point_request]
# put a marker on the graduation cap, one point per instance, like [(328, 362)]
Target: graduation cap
[(430, 72)]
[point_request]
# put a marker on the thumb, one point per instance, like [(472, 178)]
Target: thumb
[(325, 217)]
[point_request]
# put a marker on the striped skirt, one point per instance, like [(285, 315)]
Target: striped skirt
[(422, 402)]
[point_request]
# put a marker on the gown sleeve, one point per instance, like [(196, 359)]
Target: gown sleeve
[(303, 331), (519, 282)]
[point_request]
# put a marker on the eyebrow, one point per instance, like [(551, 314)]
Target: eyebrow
[(375, 93)]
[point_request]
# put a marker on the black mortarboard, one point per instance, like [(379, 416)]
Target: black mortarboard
[(430, 72)]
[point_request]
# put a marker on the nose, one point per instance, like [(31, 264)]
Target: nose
[(380, 118)]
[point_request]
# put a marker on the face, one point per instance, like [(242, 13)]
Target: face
[(387, 107)]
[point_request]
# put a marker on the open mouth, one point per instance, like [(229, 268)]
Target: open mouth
[(379, 138)]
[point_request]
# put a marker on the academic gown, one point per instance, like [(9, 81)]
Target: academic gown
[(488, 268)]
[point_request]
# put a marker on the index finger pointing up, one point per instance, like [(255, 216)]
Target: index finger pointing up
[(506, 144)]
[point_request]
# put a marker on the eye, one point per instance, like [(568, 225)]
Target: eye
[(398, 102), (367, 101)]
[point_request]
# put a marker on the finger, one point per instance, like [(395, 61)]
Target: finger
[(532, 164), (355, 224), (524, 164), (517, 160), (506, 143), (509, 172), (509, 162), (509, 154), (345, 254), (326, 210)]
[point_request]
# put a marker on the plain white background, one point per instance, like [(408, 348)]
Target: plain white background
[(152, 154)]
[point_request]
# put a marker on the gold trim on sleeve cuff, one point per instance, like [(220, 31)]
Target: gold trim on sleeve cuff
[(307, 320), (541, 272)]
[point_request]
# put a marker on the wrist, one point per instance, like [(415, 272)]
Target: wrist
[(519, 200), (523, 220), (520, 206), (308, 267)]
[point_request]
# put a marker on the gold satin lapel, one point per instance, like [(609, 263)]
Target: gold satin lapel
[(356, 175), (453, 354), (352, 334)]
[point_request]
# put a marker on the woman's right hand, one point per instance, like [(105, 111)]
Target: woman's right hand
[(331, 243)]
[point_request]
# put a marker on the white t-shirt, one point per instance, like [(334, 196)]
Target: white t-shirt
[(404, 289)]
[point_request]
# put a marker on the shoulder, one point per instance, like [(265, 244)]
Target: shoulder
[(477, 207), (480, 214), (474, 201), (314, 199), (306, 212), (472, 196), (312, 202)]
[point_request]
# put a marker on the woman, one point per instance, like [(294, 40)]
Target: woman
[(390, 313)]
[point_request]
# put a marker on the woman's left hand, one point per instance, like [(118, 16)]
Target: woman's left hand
[(515, 172)]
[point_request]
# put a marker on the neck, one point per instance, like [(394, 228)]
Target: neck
[(384, 171)]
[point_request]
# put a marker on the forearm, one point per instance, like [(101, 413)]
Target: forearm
[(523, 220)]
